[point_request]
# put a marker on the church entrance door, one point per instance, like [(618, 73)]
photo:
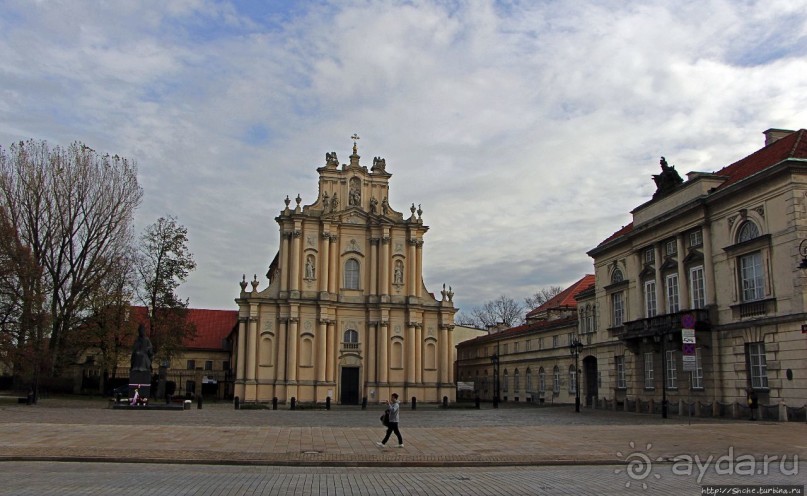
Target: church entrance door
[(349, 386)]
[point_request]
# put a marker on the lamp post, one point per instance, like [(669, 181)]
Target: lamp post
[(661, 337), (574, 349), (495, 360)]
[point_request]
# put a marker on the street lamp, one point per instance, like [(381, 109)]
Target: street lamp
[(495, 360), (660, 338), (575, 346)]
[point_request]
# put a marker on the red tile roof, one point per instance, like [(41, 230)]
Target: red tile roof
[(565, 299), (522, 329), (791, 146), (212, 326)]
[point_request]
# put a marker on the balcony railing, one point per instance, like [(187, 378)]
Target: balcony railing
[(664, 323), (350, 346), (754, 308)]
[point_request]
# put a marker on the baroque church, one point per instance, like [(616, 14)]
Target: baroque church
[(346, 315)]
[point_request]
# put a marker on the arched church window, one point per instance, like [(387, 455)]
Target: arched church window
[(617, 276), (352, 274), (351, 336)]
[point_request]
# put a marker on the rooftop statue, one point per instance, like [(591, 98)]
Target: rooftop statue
[(667, 180)]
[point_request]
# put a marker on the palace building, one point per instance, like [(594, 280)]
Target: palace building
[(346, 315)]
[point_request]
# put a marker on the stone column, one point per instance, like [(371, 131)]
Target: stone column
[(419, 270), (410, 352), (383, 344), (241, 359), (411, 266), (683, 287), (296, 254), (443, 349), (284, 261), (418, 353), (661, 295), (332, 353), (292, 343), (333, 277), (252, 337), (708, 265), (371, 352), (280, 359), (324, 270), (322, 361), (374, 265), (385, 261)]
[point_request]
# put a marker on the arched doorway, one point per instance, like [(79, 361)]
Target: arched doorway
[(590, 378)]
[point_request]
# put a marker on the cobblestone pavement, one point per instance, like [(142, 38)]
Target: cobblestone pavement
[(517, 449), (66, 479)]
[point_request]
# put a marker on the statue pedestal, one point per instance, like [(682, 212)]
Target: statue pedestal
[(140, 379)]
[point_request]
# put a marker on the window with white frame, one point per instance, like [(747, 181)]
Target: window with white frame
[(670, 247), (572, 379), (516, 381), (621, 383), (352, 274), (649, 255), (697, 289), (672, 370), (618, 309), (650, 299), (696, 376), (649, 382), (758, 365), (751, 279), (529, 380), (672, 293), (556, 379)]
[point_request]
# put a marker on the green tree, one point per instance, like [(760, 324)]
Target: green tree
[(164, 262)]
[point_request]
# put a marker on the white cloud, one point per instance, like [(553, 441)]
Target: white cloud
[(538, 128)]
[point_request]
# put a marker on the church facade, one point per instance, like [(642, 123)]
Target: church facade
[(346, 315)]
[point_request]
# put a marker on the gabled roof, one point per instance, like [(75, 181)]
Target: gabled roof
[(565, 299), (791, 146), (212, 326)]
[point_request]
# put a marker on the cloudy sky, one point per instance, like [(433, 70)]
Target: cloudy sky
[(526, 130)]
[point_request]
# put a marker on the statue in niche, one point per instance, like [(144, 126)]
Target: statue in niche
[(354, 200), (334, 203), (310, 269), (142, 352), (326, 201), (373, 205), (667, 180), (379, 164), (385, 206), (398, 274), (331, 160)]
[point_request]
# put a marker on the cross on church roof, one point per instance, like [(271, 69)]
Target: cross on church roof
[(354, 138)]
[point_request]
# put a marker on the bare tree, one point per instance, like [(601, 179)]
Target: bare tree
[(542, 296), (503, 311), (164, 262), (73, 208)]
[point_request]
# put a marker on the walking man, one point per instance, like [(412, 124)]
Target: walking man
[(394, 409)]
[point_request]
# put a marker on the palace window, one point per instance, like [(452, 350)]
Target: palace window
[(529, 381), (650, 298), (504, 381), (541, 380), (757, 365), (696, 376), (572, 379), (696, 238), (697, 290), (670, 248), (649, 255), (751, 278), (672, 370), (672, 293), (191, 364), (649, 381), (556, 379), (618, 309), (621, 383), (516, 381)]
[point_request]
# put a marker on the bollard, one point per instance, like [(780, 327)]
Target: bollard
[(445, 401), (274, 403), (199, 402), (476, 402), (414, 403), (237, 403), (364, 403), (293, 403), (328, 403)]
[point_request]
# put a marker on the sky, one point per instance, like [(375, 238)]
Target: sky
[(527, 131)]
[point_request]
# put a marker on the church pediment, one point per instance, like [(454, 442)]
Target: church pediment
[(354, 215)]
